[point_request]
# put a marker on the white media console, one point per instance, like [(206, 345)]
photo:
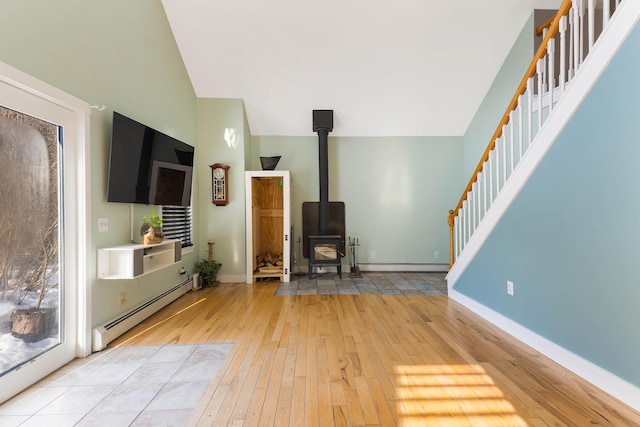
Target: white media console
[(133, 260)]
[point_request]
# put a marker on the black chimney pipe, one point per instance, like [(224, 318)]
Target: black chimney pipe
[(323, 155), (322, 125)]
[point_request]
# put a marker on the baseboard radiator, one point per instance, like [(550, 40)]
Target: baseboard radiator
[(112, 329)]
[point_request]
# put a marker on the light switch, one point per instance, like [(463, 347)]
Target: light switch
[(103, 225)]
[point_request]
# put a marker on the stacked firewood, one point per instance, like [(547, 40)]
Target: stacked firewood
[(267, 262)]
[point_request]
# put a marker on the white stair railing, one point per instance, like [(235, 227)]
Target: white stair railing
[(567, 39)]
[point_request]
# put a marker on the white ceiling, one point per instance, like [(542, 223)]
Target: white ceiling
[(386, 67)]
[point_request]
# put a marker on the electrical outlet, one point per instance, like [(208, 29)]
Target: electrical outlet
[(436, 255), (373, 254), (123, 299), (103, 225), (510, 287)]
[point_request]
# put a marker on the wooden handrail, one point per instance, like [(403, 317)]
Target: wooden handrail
[(538, 31), (542, 50)]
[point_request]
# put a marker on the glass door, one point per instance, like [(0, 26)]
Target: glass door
[(31, 288), (43, 240)]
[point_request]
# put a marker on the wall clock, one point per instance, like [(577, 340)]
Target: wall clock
[(220, 184)]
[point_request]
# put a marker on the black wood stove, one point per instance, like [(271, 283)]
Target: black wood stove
[(323, 222)]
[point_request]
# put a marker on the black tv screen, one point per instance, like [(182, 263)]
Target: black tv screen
[(148, 167)]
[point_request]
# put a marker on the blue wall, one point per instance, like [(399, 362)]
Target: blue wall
[(570, 241)]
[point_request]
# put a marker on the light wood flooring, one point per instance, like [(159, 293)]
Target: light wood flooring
[(369, 360)]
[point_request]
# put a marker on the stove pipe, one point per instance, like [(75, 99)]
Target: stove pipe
[(322, 125)]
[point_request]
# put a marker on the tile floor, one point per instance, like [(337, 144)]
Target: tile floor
[(124, 386), (377, 283)]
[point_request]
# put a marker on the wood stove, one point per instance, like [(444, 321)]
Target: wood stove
[(324, 251), (323, 222)]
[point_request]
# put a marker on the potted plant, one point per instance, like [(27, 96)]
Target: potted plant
[(151, 230), (208, 271), (36, 323)]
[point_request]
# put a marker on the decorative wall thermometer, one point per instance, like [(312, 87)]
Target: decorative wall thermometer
[(220, 184)]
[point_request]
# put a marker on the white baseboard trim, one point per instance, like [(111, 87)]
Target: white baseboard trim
[(413, 268), (599, 377)]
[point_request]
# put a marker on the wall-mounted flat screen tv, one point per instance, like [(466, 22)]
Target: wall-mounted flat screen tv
[(148, 167)]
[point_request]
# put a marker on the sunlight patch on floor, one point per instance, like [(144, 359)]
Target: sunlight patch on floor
[(160, 322), (451, 395)]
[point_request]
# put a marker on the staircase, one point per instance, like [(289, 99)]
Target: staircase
[(550, 216), (577, 45)]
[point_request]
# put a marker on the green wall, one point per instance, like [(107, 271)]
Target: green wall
[(120, 54), (223, 225), (397, 190), (486, 119), (569, 240)]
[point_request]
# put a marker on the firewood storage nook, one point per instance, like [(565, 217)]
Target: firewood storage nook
[(268, 225)]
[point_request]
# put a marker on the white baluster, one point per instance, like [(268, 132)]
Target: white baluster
[(460, 233), (541, 87), (472, 208), (511, 139), (479, 197), (467, 220), (477, 207), (570, 72), (463, 225), (504, 154), (551, 48), (497, 165), (484, 183), (490, 159), (483, 192), (530, 111), (540, 71), (581, 12), (576, 37), (463, 239), (460, 236), (456, 234), (606, 13), (520, 128), (592, 22), (563, 52), (476, 203)]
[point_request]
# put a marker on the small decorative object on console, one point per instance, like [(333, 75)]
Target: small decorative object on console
[(151, 230)]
